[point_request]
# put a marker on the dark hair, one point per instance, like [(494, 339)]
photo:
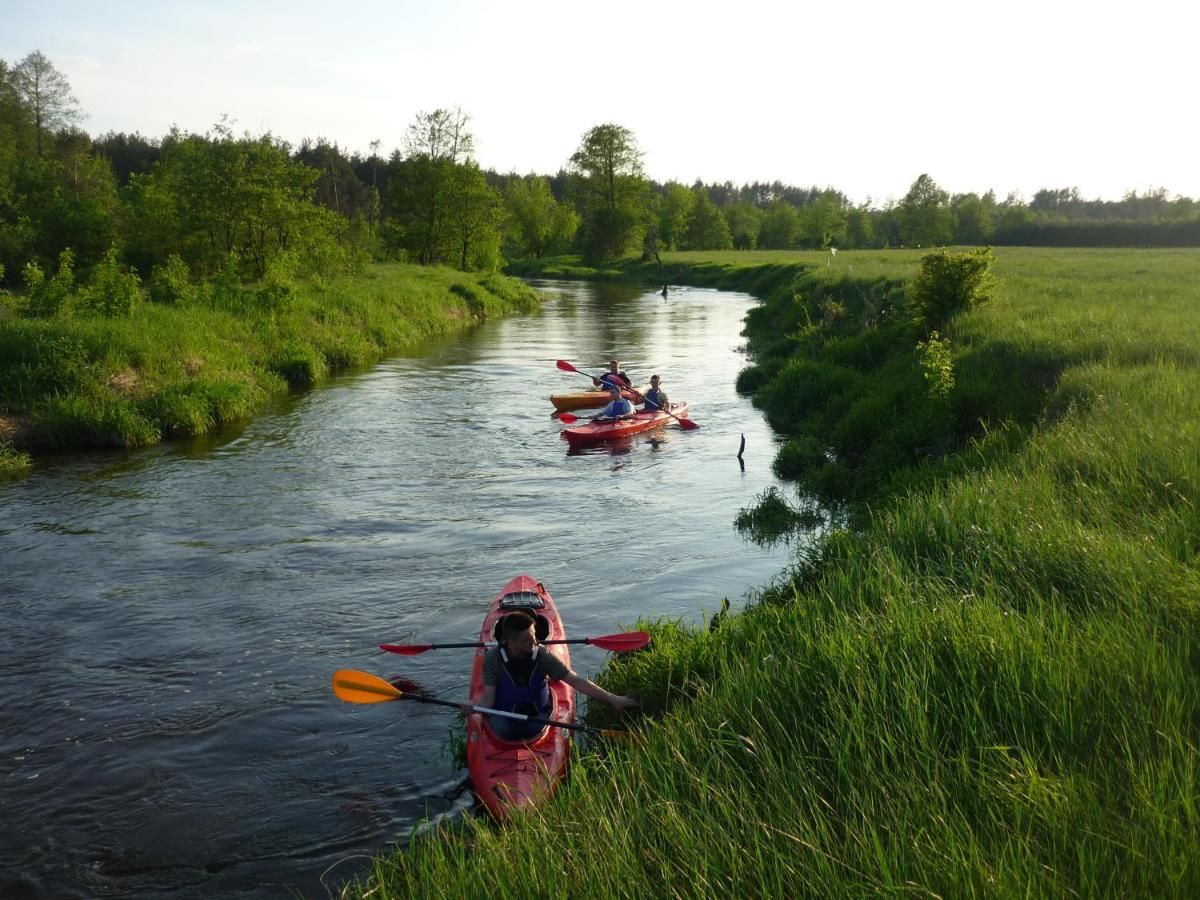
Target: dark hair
[(516, 623)]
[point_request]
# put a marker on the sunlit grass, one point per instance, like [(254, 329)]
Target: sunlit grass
[(182, 370)]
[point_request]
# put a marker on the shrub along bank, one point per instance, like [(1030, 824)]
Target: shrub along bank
[(74, 376), (989, 686)]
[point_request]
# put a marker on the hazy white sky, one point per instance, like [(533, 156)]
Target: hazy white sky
[(861, 96)]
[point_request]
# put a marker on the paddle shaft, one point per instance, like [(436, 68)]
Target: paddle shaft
[(618, 643), (468, 707), (491, 644)]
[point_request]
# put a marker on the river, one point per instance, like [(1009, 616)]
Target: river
[(170, 618)]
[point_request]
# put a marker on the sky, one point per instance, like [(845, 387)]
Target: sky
[(859, 96)]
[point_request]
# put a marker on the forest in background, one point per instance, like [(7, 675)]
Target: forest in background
[(165, 209)]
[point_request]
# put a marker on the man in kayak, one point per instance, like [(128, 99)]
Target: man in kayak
[(614, 375), (656, 397), (514, 679), (618, 406)]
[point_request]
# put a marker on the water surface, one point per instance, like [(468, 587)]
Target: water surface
[(170, 619)]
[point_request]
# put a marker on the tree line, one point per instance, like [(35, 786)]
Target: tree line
[(249, 206)]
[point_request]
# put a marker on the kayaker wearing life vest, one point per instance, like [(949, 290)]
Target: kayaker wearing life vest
[(614, 375), (656, 397), (618, 407), (514, 679)]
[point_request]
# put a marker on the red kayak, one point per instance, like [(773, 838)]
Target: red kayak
[(609, 429), (508, 776)]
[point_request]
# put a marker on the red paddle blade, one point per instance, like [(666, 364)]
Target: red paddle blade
[(567, 367), (406, 649), (568, 418), (688, 425), (621, 643)]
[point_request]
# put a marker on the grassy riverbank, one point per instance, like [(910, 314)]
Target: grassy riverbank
[(78, 381), (991, 686)]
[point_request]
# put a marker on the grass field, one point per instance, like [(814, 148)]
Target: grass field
[(989, 687)]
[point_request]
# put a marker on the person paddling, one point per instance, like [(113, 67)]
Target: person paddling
[(614, 375), (618, 407), (655, 398), (515, 677)]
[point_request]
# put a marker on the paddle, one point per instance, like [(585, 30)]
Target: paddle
[(618, 643), (685, 424), (363, 687)]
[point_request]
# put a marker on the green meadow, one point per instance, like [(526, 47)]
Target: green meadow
[(80, 380), (987, 683)]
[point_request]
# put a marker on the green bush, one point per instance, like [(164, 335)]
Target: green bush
[(48, 297), (114, 290), (948, 283), (171, 282), (937, 364), (278, 289)]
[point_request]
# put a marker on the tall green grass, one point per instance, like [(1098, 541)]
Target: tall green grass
[(179, 369), (991, 687)]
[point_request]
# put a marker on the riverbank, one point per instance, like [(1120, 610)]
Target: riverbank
[(77, 382), (989, 685)]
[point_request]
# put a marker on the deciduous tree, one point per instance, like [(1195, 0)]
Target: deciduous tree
[(924, 214), (612, 191), (537, 223)]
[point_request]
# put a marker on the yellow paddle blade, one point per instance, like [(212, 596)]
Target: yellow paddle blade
[(363, 687)]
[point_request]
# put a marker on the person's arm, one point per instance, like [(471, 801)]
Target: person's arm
[(589, 687), (487, 697)]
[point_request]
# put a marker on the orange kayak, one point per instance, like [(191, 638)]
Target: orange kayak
[(590, 399), (508, 776), (598, 430)]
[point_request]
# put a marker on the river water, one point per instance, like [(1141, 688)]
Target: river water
[(170, 618)]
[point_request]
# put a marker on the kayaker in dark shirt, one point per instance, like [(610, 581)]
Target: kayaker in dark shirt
[(614, 375), (655, 398), (515, 675)]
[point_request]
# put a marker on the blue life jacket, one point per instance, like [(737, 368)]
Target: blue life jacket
[(532, 695), (618, 407), (651, 398)]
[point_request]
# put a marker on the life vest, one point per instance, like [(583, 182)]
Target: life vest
[(617, 408), (522, 686), (651, 398)]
